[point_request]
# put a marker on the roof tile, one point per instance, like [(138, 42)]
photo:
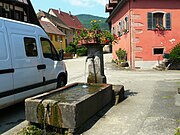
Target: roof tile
[(49, 28), (70, 20)]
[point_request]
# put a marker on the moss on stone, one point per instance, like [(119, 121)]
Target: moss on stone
[(56, 116), (40, 113)]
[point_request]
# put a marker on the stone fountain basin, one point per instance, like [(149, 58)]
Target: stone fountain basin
[(68, 107)]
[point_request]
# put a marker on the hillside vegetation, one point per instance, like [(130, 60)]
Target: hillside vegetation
[(86, 19)]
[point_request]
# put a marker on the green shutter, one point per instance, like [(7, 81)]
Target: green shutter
[(168, 21), (127, 23), (150, 20)]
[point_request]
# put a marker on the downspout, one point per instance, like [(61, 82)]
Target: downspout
[(130, 55), (131, 37)]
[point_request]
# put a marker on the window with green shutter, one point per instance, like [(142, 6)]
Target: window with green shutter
[(159, 20), (127, 23), (168, 21), (150, 21)]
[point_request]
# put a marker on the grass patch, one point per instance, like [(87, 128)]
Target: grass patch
[(177, 131), (167, 97), (36, 130)]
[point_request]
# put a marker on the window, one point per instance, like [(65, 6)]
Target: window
[(50, 36), (158, 51), (48, 49), (58, 38), (30, 47), (162, 20), (12, 12), (114, 31), (127, 23), (120, 29), (19, 15), (123, 26), (158, 19)]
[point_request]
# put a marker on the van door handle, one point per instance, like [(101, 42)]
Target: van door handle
[(40, 67)]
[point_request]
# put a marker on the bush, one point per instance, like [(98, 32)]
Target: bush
[(31, 130), (175, 54), (121, 54), (82, 51), (34, 130), (69, 49)]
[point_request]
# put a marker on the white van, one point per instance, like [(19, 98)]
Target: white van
[(29, 63)]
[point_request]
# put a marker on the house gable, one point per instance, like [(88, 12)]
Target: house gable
[(55, 20), (68, 19)]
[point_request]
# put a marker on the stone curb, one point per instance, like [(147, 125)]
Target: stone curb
[(17, 128)]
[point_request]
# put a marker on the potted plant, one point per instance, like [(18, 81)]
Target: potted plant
[(125, 31), (94, 35), (122, 56), (159, 27)]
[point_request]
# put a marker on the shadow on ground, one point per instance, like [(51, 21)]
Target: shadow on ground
[(129, 93), (101, 114), (11, 116)]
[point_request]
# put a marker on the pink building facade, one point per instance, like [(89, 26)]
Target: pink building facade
[(147, 29)]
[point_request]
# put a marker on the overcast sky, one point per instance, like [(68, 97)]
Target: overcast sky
[(93, 7)]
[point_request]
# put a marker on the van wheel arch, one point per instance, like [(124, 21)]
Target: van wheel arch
[(61, 80)]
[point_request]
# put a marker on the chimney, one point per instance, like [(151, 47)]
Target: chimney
[(59, 11), (70, 13)]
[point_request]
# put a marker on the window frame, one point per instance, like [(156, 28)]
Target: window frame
[(52, 48), (158, 53), (35, 46), (158, 19), (123, 26), (166, 20)]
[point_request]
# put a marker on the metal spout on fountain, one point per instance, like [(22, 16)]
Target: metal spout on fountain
[(90, 57)]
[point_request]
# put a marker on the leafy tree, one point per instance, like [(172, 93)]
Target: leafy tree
[(175, 54)]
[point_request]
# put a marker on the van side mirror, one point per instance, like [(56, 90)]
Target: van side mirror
[(61, 54)]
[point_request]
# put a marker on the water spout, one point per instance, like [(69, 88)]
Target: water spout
[(85, 85), (92, 57)]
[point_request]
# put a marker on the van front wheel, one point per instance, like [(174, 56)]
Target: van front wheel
[(61, 82)]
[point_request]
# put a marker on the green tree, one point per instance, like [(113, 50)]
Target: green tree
[(175, 54)]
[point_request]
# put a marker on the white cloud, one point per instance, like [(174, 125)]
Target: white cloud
[(87, 3), (102, 2), (81, 3)]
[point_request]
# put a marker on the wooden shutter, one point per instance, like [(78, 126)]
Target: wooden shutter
[(168, 21), (127, 23), (120, 28), (150, 20)]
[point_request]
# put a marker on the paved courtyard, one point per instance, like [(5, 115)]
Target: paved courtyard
[(151, 107)]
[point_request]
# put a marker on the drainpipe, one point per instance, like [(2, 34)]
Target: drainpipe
[(130, 55), (132, 63)]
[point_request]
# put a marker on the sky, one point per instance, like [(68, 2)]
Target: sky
[(92, 7)]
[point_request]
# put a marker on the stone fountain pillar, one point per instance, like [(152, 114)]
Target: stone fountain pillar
[(95, 50)]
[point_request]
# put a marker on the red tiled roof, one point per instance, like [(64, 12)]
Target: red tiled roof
[(55, 20), (49, 28), (70, 20)]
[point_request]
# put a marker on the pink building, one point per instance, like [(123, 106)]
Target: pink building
[(146, 29)]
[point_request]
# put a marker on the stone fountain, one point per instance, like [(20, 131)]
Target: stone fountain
[(68, 107), (71, 106), (96, 67)]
